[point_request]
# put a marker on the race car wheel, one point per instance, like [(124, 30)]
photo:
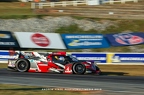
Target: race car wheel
[(22, 65), (79, 68)]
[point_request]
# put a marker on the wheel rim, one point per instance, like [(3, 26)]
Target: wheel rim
[(79, 68), (22, 65)]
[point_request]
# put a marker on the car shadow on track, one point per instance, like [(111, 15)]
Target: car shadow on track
[(114, 73)]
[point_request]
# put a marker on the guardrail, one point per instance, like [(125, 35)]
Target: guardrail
[(78, 2), (62, 3), (118, 1)]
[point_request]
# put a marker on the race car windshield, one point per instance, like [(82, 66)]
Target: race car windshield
[(72, 58), (58, 59)]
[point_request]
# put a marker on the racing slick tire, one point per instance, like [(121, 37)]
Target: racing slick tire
[(22, 65), (78, 68)]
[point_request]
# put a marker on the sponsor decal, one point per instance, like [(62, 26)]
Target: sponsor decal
[(91, 58), (40, 40), (74, 41), (85, 43), (122, 39), (97, 57), (7, 57), (7, 43), (125, 58), (68, 70), (54, 70), (60, 65), (128, 39), (4, 35), (11, 63), (42, 64), (7, 40)]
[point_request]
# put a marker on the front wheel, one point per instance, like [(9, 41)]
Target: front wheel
[(22, 65), (79, 68)]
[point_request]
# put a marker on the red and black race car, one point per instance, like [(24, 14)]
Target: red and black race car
[(58, 62)]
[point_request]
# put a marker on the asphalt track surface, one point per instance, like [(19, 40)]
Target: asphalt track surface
[(109, 85)]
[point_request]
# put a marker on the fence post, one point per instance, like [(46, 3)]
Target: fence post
[(86, 2), (111, 1), (135, 1), (64, 4), (74, 3), (123, 1), (33, 5), (52, 4), (40, 5)]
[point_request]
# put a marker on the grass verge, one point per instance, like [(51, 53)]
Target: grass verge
[(12, 89), (122, 70)]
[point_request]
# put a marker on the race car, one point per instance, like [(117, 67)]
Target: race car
[(56, 62)]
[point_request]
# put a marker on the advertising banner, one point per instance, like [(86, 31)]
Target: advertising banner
[(84, 41), (40, 40), (125, 58), (100, 58), (97, 57), (123, 39), (4, 56), (7, 40)]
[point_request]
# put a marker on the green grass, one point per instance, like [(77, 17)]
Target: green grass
[(121, 25), (3, 65), (122, 70), (15, 10), (12, 89)]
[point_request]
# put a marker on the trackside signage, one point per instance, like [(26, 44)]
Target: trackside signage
[(100, 58), (7, 40), (81, 41), (39, 40), (123, 39), (97, 57), (125, 58), (4, 56)]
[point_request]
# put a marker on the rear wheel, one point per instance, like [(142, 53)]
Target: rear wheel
[(22, 65), (79, 68)]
